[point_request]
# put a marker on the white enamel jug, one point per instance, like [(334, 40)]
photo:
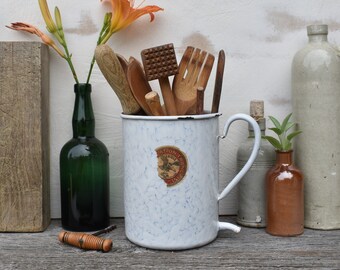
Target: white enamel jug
[(171, 170)]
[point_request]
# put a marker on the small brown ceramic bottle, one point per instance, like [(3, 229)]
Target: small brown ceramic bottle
[(285, 202)]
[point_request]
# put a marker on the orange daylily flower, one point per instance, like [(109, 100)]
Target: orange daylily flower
[(124, 14), (33, 30)]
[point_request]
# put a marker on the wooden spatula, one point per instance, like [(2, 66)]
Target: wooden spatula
[(193, 72), (113, 72), (160, 63), (138, 83)]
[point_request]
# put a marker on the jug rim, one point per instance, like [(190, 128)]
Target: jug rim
[(170, 118)]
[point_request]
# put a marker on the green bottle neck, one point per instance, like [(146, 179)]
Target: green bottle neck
[(83, 118)]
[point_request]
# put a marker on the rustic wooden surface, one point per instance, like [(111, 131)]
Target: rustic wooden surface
[(250, 249), (24, 137)]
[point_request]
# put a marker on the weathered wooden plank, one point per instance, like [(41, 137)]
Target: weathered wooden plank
[(24, 137), (250, 249)]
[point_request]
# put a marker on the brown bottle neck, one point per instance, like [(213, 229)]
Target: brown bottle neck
[(284, 157)]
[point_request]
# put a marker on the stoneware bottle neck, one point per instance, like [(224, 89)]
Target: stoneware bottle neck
[(317, 33), (262, 125)]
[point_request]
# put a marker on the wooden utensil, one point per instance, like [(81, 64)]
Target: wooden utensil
[(200, 100), (113, 72), (138, 83), (218, 82), (123, 62), (160, 63), (152, 99), (194, 71)]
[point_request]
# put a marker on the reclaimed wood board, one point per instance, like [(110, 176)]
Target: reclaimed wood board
[(249, 249), (24, 137)]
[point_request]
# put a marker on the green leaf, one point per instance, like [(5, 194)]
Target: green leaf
[(275, 122), (286, 145), (290, 125), (285, 122), (293, 134), (276, 130), (274, 142)]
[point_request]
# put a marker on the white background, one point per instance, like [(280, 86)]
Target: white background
[(260, 38)]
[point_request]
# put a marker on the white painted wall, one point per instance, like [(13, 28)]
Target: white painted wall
[(259, 37)]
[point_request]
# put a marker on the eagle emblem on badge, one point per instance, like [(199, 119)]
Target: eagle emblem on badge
[(172, 164)]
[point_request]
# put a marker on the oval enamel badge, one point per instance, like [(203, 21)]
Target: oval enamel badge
[(172, 164)]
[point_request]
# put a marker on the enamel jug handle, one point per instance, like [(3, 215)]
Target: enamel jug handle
[(256, 148), (246, 167)]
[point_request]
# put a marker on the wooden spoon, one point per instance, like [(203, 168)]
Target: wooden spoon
[(194, 71), (123, 62), (138, 83), (113, 72)]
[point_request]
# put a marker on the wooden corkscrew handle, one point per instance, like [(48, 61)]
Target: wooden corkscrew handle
[(85, 241)]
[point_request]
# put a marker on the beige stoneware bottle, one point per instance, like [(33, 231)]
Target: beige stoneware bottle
[(316, 108)]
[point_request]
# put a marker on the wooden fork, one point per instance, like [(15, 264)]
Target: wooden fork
[(193, 72)]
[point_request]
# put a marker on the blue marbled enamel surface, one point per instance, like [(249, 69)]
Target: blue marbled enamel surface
[(181, 216)]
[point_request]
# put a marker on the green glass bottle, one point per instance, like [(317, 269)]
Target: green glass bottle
[(84, 171)]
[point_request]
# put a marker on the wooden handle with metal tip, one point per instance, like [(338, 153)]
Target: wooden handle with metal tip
[(200, 100), (85, 241), (152, 99)]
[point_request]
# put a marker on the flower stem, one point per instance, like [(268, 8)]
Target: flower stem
[(91, 67), (103, 33), (69, 61)]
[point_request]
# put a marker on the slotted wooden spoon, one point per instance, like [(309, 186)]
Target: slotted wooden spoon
[(193, 72)]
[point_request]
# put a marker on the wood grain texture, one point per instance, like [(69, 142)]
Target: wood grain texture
[(138, 83), (160, 63), (200, 100), (153, 101), (218, 82), (250, 249), (24, 137), (113, 72), (194, 71)]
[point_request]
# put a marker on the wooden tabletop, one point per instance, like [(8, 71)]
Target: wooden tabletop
[(250, 249)]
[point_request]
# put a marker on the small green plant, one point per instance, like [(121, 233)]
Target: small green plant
[(284, 141)]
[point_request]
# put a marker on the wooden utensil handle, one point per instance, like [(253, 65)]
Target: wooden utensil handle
[(85, 241), (218, 82), (200, 100), (168, 96), (152, 99), (113, 72)]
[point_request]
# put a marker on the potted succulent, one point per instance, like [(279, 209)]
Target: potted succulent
[(284, 183)]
